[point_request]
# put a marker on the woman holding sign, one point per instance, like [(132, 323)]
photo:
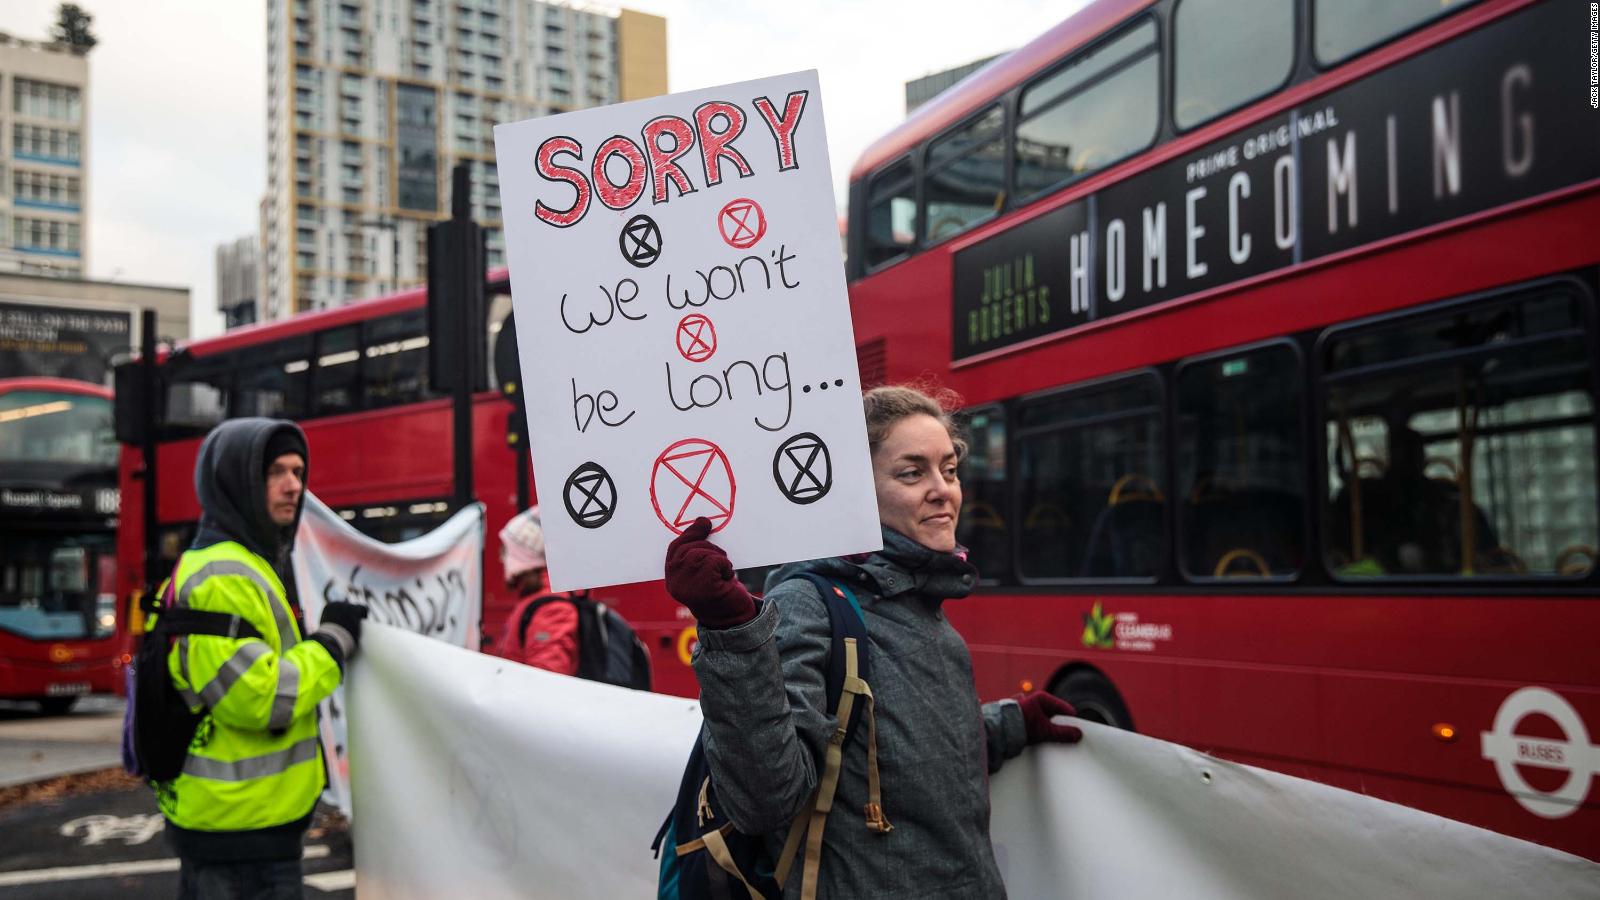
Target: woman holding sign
[(918, 758)]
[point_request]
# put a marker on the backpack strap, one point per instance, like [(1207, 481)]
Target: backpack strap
[(184, 620), (846, 680), (527, 617)]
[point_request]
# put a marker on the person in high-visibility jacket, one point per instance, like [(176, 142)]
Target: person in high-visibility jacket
[(238, 813)]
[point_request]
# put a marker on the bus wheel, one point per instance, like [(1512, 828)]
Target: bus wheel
[(57, 706), (1094, 698)]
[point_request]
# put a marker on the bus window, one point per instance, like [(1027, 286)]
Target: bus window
[(1227, 53), (396, 365), (197, 397), (981, 527), (1099, 108), (1342, 28), (1090, 464), (966, 178), (275, 386), (56, 427), (891, 214), (1463, 444), (338, 373), (1241, 465)]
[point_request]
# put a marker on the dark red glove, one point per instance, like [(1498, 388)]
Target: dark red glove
[(700, 577), (1037, 709)]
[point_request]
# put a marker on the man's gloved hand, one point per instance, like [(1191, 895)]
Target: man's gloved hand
[(340, 629), (700, 576), (1037, 709)]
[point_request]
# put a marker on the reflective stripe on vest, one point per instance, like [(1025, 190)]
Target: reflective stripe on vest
[(288, 691), (231, 671), (251, 767), (280, 614)]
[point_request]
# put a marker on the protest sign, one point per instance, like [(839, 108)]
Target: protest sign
[(684, 332), (478, 777), (431, 585)]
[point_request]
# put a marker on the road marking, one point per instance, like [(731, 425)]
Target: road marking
[(333, 881), (113, 870)]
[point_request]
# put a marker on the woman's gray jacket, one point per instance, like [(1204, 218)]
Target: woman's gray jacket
[(761, 689)]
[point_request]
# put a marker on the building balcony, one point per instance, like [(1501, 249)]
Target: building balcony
[(47, 251), (47, 205), (44, 158)]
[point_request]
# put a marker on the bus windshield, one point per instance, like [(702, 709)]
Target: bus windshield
[(52, 587), (52, 427)]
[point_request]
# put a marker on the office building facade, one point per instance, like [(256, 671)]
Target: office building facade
[(44, 158), (921, 90), (371, 104), (238, 281)]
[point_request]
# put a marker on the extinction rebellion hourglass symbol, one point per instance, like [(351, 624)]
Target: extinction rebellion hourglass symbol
[(590, 495), (640, 241)]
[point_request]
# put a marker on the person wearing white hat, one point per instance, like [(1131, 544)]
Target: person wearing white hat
[(548, 638)]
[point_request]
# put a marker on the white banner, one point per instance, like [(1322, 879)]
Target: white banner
[(477, 777), (684, 331), (431, 585)]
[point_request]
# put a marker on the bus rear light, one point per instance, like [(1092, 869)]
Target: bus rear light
[(1444, 731), (1026, 685)]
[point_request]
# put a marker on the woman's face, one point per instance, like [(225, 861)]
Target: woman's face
[(919, 494)]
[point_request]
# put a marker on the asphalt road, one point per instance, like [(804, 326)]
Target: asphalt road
[(107, 840)]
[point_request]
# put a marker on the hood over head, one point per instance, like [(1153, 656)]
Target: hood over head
[(230, 480)]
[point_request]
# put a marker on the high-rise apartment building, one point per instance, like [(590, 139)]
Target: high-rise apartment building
[(371, 103), (238, 282), (44, 158), (921, 90)]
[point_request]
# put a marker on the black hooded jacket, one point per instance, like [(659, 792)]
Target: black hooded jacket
[(230, 481), (232, 487)]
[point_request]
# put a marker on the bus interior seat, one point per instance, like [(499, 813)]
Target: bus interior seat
[(1260, 524), (1128, 537)]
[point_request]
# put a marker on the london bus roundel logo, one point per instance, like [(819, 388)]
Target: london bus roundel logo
[(1573, 755)]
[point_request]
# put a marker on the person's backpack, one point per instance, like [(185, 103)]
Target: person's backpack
[(608, 648), (157, 724), (704, 856)]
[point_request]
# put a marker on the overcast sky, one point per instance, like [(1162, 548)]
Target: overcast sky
[(177, 149)]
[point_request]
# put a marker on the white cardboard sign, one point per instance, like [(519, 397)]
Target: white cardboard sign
[(684, 331)]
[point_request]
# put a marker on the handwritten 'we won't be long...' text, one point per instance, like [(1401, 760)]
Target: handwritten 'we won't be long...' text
[(736, 380)]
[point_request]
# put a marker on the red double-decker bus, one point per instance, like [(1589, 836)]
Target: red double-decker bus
[(356, 379), (60, 635), (1276, 325)]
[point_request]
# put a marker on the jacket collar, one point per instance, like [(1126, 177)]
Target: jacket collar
[(903, 566)]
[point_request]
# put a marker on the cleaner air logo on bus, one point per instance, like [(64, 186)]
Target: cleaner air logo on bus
[(1123, 630), (1573, 754)]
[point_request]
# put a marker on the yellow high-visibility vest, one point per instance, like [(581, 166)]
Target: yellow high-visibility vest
[(255, 761)]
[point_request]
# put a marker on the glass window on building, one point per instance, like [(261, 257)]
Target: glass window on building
[(1100, 107), (981, 527), (891, 214), (966, 176), (1089, 468), (1227, 53), (1462, 443), (1342, 28), (415, 157), (1241, 465)]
